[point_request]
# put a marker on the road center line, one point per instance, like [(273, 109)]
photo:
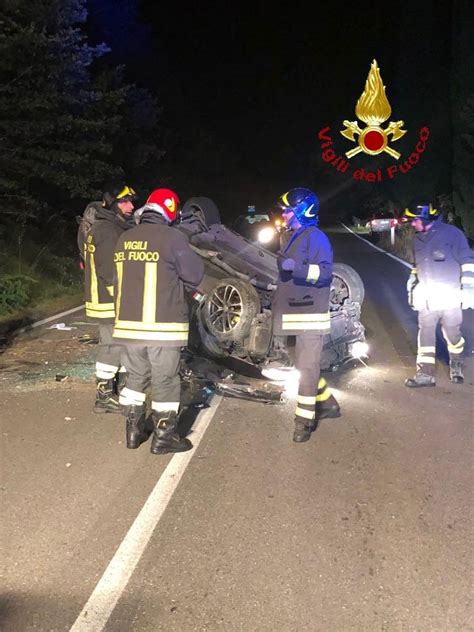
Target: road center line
[(389, 254), (108, 590)]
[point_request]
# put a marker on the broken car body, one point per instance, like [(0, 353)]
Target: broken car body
[(235, 318)]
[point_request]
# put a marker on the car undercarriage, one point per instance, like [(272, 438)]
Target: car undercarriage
[(234, 318)]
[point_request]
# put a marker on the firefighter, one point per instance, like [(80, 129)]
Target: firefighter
[(441, 283), (301, 305), (153, 261), (98, 243)]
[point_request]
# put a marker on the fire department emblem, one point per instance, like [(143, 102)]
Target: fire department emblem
[(373, 108)]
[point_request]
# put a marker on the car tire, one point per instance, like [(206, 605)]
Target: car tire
[(203, 206), (200, 340), (229, 309), (346, 284), (209, 344)]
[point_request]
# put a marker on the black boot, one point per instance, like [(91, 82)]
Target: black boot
[(456, 374), (303, 429), (120, 380), (165, 437), (136, 427), (420, 380), (328, 409), (106, 401)]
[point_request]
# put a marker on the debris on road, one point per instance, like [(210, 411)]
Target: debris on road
[(87, 339), (206, 377), (35, 359), (61, 326), (267, 394)]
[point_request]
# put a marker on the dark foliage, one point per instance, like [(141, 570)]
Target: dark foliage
[(64, 127), (56, 124)]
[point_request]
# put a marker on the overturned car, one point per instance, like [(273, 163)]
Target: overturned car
[(234, 319)]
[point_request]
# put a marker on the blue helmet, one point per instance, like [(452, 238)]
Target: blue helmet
[(304, 204), (423, 210)]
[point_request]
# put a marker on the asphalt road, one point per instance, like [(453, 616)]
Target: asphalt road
[(366, 527)]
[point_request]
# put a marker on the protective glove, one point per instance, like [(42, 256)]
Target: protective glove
[(411, 285), (467, 298), (288, 264), (412, 281)]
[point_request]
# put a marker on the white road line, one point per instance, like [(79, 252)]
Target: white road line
[(38, 323), (101, 603), (389, 254)]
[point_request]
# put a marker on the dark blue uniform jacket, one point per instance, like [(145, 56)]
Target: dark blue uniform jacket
[(301, 300), (444, 263)]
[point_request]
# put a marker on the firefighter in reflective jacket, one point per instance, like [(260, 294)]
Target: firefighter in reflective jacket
[(153, 261), (440, 285), (111, 219), (301, 305)]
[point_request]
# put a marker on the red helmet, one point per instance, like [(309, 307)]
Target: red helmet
[(165, 202)]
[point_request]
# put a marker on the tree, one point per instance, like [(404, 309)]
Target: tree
[(56, 125), (139, 133), (462, 90)]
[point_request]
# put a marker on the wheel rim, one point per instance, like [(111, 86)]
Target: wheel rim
[(339, 290), (225, 309)]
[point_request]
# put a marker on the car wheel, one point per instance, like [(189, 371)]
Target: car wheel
[(229, 309), (203, 206), (346, 284), (199, 338), (209, 344)]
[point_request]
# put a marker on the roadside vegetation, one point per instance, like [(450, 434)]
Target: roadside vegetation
[(37, 278), (402, 247), (65, 117)]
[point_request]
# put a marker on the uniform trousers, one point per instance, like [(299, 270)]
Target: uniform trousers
[(308, 350), (108, 353), (156, 366), (451, 320)]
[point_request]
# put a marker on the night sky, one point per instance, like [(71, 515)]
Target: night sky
[(246, 87)]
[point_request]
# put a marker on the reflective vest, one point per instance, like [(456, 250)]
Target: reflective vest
[(153, 261)]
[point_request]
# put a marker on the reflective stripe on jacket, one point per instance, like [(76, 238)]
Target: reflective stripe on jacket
[(444, 264), (301, 300), (99, 264), (152, 263)]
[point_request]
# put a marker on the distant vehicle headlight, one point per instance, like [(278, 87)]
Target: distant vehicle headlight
[(265, 235), (360, 349)]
